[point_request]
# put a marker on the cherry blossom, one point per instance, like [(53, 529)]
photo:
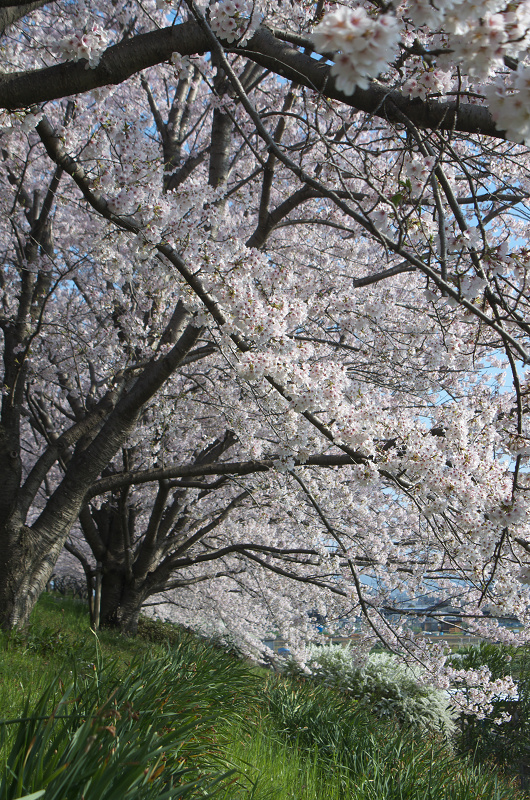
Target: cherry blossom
[(264, 319), (88, 44), (365, 45), (233, 20)]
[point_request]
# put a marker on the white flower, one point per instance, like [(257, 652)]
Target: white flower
[(30, 121), (365, 45), (431, 82), (182, 65), (233, 20), (510, 107), (418, 172), (89, 44)]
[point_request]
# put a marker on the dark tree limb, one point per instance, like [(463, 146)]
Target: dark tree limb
[(227, 468), (11, 12), (121, 61)]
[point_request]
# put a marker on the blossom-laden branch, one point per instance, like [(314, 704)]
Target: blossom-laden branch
[(216, 248), (121, 61), (224, 468)]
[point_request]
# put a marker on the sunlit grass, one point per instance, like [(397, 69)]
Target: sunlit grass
[(57, 637), (367, 759), (271, 768)]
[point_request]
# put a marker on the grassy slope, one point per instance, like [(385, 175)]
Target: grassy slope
[(286, 741), (58, 634)]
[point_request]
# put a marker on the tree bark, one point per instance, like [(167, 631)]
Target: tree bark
[(121, 594), (129, 57), (26, 563), (28, 554), (121, 602)]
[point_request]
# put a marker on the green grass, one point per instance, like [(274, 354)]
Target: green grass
[(166, 715), (371, 759), (57, 637), (269, 767)]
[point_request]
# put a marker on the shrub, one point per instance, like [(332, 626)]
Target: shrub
[(387, 687), (508, 743), (374, 762)]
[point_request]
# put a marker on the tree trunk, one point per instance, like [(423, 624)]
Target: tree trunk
[(121, 602), (28, 554), (26, 565)]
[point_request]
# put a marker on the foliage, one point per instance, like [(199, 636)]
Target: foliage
[(506, 743), (99, 751), (388, 688), (285, 740), (376, 761), (157, 632), (137, 736)]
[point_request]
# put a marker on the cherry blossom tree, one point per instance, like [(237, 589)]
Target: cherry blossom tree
[(304, 223)]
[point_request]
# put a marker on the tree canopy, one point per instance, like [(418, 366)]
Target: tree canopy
[(265, 313)]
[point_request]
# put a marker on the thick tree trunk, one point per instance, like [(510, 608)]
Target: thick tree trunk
[(121, 602), (26, 565), (121, 595), (28, 554)]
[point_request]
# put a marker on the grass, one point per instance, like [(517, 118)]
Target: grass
[(166, 715), (375, 760), (269, 767), (58, 637)]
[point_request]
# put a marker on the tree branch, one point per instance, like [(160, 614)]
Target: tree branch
[(227, 468), (12, 12), (121, 61)]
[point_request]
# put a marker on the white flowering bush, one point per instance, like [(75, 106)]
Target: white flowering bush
[(504, 735), (387, 687)]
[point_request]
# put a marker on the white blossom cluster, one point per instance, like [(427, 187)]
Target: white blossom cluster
[(510, 105), (235, 20), (429, 82), (182, 65), (460, 16), (89, 44), (11, 123), (483, 47), (417, 172), (477, 35), (364, 45), (480, 34), (476, 691)]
